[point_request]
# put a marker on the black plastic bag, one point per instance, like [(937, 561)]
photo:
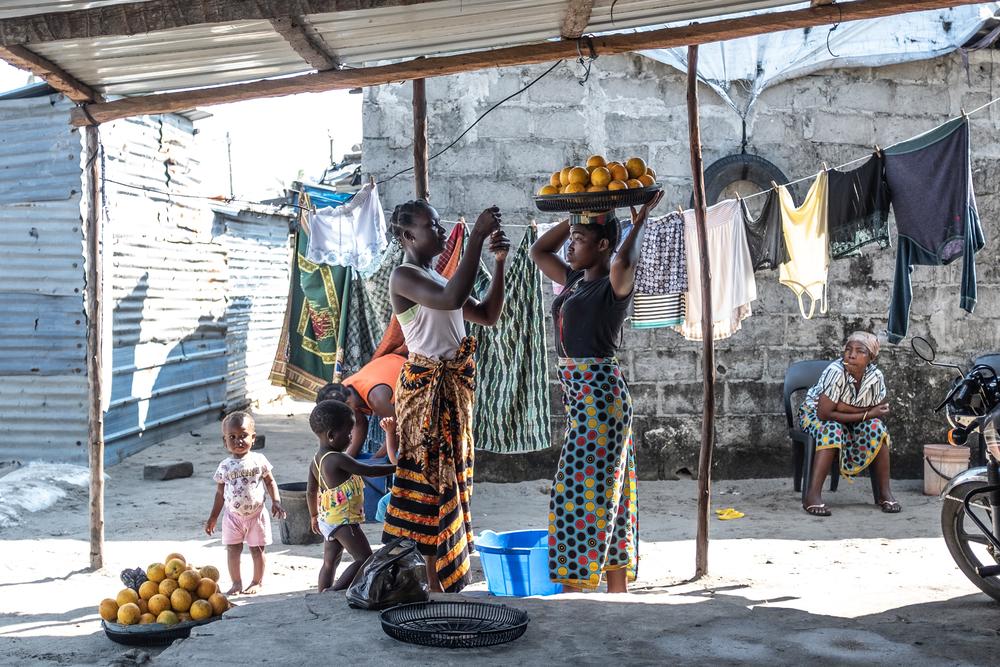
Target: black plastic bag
[(395, 574)]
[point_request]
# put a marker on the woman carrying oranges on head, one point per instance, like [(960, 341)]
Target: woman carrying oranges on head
[(593, 513)]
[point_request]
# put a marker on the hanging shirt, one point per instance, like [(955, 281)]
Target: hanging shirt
[(661, 275), (764, 235), (588, 318), (352, 234), (805, 232), (733, 285), (858, 208), (930, 184)]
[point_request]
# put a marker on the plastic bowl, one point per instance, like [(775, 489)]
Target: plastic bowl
[(516, 563)]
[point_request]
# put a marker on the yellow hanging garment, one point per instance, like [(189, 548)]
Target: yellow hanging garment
[(805, 230)]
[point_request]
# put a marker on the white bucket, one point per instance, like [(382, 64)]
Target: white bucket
[(941, 463)]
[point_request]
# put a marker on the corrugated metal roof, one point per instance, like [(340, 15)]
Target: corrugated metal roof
[(212, 54), (43, 386)]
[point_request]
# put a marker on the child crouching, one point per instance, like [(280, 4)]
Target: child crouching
[(335, 493)]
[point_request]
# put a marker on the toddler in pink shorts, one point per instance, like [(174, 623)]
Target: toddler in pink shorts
[(242, 480)]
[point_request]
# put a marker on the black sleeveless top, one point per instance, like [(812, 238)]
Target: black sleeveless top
[(588, 317)]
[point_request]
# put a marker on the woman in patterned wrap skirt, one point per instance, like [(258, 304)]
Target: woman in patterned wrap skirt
[(593, 511), (430, 495)]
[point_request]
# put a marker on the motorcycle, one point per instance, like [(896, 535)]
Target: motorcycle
[(970, 512)]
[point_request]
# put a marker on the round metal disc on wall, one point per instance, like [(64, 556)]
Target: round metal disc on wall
[(740, 174)]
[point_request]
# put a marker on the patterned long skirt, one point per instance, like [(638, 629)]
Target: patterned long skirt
[(433, 484), (858, 443), (593, 508)]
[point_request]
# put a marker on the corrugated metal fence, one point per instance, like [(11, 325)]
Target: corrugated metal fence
[(43, 385)]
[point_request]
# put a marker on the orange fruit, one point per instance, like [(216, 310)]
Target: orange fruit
[(564, 176), (174, 555), (646, 180), (578, 176), (167, 618), (201, 609), (156, 573), (108, 609), (548, 190), (143, 606), (168, 586), (174, 567), (148, 589), (125, 596), (206, 589), (553, 181), (146, 619), (618, 172), (636, 167), (596, 161), (189, 580), (128, 614), (600, 176), (633, 183), (184, 617), (650, 172), (219, 603), (158, 603), (211, 572), (617, 184), (574, 188), (180, 600), (597, 188)]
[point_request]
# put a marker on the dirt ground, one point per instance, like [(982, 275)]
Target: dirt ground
[(860, 587)]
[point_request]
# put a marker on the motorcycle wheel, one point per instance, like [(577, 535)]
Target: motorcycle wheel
[(967, 545)]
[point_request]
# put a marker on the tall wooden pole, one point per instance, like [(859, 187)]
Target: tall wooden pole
[(95, 318), (708, 344), (420, 171)]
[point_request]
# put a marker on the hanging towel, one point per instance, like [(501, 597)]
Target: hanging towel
[(930, 184), (512, 411), (661, 277), (733, 285), (858, 208), (805, 232), (764, 234), (349, 235)]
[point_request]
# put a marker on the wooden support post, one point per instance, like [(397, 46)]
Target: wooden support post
[(420, 169), (708, 344), (95, 317)]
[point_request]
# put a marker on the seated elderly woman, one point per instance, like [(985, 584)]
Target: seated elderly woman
[(844, 411)]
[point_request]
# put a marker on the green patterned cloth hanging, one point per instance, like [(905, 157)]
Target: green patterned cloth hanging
[(512, 412)]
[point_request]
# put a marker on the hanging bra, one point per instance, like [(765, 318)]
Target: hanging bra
[(805, 231), (342, 504)]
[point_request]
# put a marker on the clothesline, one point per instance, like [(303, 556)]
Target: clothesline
[(865, 157)]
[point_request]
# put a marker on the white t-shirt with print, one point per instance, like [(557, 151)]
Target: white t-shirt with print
[(244, 480)]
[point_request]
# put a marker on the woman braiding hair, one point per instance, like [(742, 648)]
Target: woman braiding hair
[(430, 496)]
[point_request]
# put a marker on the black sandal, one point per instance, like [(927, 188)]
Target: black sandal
[(819, 510), (890, 506)]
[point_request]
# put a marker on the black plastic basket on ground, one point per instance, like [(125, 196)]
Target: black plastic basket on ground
[(595, 201), (454, 624), (152, 634)]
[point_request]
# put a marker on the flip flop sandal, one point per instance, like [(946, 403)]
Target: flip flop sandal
[(724, 510), (818, 510), (890, 506), (729, 514)]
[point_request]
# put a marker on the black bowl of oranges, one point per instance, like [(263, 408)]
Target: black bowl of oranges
[(600, 186)]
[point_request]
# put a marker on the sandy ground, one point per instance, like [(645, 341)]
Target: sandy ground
[(860, 587)]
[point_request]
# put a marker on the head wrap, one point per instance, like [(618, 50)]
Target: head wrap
[(868, 340)]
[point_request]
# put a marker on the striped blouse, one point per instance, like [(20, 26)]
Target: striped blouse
[(837, 385)]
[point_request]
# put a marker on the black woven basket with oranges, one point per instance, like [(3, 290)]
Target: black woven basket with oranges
[(595, 202), (598, 187)]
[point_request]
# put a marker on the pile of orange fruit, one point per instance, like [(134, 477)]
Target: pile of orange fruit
[(600, 176), (174, 592)]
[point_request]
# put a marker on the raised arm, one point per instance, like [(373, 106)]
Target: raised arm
[(417, 287), (625, 262), (487, 312), (545, 253), (354, 467)]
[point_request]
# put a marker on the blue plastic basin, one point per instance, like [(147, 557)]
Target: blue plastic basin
[(516, 563), (375, 487)]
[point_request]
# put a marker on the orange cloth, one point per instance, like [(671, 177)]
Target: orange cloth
[(447, 264), (384, 370)]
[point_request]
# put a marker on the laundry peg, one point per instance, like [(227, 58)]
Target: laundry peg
[(774, 185), (680, 209), (371, 180), (825, 168), (878, 150)]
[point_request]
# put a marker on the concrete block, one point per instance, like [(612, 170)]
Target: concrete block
[(680, 398), (676, 443), (753, 398), (167, 470), (562, 124), (664, 365), (623, 90), (505, 123), (557, 89), (644, 398), (934, 101), (839, 127)]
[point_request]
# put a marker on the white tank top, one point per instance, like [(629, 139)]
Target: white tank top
[(432, 333)]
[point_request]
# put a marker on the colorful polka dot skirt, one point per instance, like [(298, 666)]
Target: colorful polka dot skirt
[(858, 443), (593, 511)]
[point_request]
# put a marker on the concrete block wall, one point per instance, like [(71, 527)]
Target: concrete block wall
[(631, 105)]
